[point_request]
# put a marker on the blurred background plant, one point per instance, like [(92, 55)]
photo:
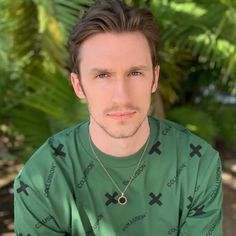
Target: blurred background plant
[(197, 56)]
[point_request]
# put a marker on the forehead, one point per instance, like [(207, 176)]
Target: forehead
[(115, 49)]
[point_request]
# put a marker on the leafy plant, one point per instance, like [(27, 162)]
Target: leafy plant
[(36, 97), (196, 120), (225, 117)]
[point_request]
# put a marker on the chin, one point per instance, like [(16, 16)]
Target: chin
[(122, 132)]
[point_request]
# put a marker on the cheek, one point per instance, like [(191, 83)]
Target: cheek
[(144, 92), (97, 101)]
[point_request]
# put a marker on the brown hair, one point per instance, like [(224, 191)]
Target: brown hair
[(112, 16)]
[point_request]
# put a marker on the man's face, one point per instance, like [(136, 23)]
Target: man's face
[(117, 79)]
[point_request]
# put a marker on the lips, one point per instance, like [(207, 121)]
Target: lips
[(121, 115)]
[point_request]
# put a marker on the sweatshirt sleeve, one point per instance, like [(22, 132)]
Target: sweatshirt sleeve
[(205, 211)]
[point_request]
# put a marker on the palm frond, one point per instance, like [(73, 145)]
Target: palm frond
[(201, 27)]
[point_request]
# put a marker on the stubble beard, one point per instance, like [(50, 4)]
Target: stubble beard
[(121, 135)]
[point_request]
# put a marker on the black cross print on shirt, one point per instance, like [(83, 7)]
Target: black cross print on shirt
[(195, 150), (155, 199), (155, 148), (199, 211), (111, 198), (58, 150), (23, 188)]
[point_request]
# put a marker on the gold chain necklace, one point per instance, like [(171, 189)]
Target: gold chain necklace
[(122, 200)]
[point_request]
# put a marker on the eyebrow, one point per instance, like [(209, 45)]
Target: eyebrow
[(96, 70), (140, 67)]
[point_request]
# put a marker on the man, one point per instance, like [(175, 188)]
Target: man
[(121, 173)]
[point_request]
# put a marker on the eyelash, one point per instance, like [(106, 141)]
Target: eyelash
[(137, 73), (102, 75)]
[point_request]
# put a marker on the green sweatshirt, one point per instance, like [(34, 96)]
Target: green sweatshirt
[(63, 190)]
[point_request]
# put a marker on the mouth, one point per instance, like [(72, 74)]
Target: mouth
[(121, 115)]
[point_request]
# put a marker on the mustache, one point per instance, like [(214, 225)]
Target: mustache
[(117, 108)]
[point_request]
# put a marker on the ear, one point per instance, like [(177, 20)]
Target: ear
[(156, 77), (76, 83)]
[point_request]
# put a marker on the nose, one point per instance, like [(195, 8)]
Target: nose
[(121, 92)]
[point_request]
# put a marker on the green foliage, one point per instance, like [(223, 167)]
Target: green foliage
[(196, 120), (36, 96), (225, 117), (206, 29)]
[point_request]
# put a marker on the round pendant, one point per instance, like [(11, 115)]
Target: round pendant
[(122, 200)]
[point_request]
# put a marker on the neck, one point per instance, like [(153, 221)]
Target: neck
[(118, 147)]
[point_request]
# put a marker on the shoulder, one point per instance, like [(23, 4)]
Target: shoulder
[(51, 166), (56, 152), (186, 144), (166, 126), (68, 134)]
